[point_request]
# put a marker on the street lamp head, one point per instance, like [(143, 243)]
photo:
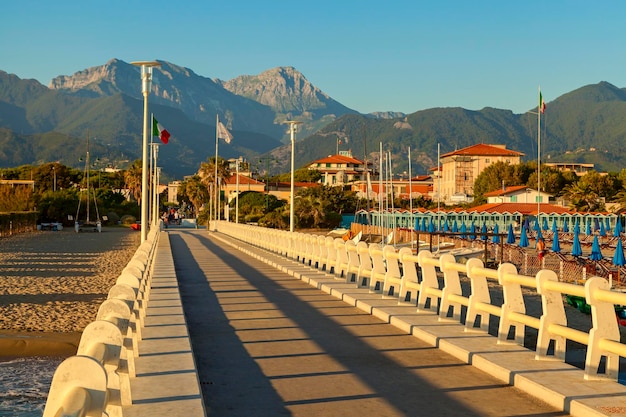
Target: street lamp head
[(146, 63)]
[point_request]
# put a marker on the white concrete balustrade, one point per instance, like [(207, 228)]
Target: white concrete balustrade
[(96, 382), (416, 280)]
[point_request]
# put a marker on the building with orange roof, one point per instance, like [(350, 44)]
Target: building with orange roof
[(516, 194), (341, 169), (459, 169)]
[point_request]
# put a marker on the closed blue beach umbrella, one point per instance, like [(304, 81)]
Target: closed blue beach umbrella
[(576, 249), (483, 231), (596, 224), (455, 227), (431, 226), (544, 226), (463, 230), (536, 227), (602, 229), (588, 228), (523, 239), (555, 229), (510, 238), (556, 245), (496, 238), (618, 258), (472, 231), (618, 227), (607, 223), (446, 228), (424, 225), (577, 229), (417, 225), (539, 234), (565, 227), (596, 254), (526, 224)]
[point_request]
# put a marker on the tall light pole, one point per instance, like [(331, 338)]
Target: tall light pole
[(146, 85), (155, 184), (292, 129)]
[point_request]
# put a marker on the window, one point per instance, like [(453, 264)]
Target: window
[(513, 199), (539, 199), (328, 165), (487, 160)]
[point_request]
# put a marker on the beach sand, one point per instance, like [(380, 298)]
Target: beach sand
[(52, 284)]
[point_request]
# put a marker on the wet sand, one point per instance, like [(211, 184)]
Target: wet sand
[(52, 284)]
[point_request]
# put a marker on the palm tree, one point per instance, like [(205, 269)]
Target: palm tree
[(132, 178), (196, 192), (207, 172)]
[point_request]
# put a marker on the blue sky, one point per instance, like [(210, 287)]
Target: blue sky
[(368, 55)]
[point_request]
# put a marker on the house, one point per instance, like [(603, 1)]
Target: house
[(454, 182), (517, 194), (341, 169), (245, 184), (420, 186)]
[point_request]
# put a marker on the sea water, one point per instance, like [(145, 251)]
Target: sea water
[(24, 385)]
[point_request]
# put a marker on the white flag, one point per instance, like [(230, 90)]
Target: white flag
[(223, 133)]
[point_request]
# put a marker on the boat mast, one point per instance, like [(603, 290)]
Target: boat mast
[(87, 174)]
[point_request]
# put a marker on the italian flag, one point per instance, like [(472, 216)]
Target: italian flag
[(158, 130), (542, 104)]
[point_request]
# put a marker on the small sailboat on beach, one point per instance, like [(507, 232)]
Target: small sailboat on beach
[(89, 223)]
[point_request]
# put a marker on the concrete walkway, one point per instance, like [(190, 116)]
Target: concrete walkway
[(267, 344)]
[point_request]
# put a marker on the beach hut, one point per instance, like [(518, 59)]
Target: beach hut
[(617, 231)]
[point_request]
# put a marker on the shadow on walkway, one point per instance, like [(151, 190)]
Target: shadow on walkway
[(267, 344)]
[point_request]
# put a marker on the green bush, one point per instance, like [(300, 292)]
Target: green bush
[(128, 219)]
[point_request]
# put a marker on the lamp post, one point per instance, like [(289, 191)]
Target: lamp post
[(146, 83), (292, 129), (237, 191), (155, 184)]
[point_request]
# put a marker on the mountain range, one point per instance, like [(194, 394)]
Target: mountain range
[(43, 124)]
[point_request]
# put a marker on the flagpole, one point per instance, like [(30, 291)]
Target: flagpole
[(539, 158), (217, 213), (152, 167)]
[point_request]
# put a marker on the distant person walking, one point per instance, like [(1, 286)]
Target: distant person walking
[(541, 247)]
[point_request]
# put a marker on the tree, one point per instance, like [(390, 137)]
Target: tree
[(299, 175), (586, 193), (207, 172), (195, 192), (133, 179)]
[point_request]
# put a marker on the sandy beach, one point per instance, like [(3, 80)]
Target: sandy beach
[(52, 284)]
